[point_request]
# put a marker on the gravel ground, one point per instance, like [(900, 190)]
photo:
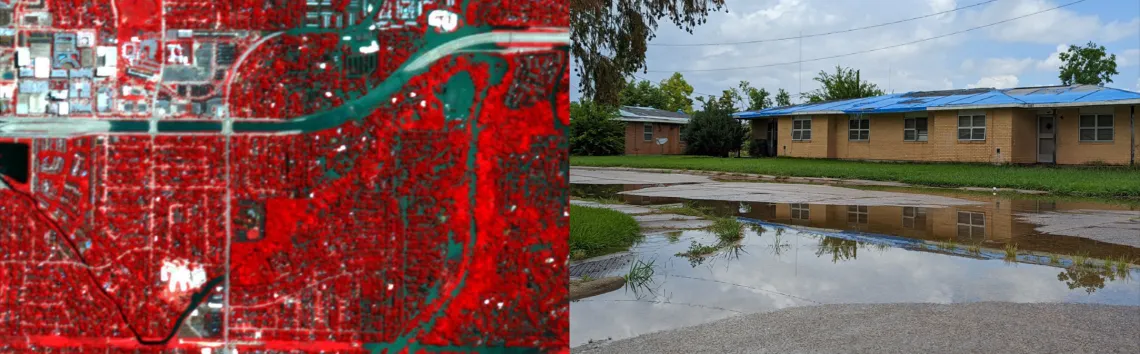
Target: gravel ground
[(903, 328)]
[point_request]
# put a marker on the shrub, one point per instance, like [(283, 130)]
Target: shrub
[(595, 130)]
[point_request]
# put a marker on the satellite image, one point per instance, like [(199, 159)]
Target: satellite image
[(271, 176)]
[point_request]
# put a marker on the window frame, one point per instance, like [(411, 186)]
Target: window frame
[(925, 136), (916, 214), (972, 128), (859, 118), (970, 225), (801, 130), (800, 211), (1096, 113), (647, 131), (857, 214)]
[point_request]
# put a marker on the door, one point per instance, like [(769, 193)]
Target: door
[(773, 132), (1046, 139)]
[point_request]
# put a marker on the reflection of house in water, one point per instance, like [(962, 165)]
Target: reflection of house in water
[(991, 224)]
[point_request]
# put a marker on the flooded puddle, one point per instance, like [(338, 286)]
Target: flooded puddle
[(988, 248)]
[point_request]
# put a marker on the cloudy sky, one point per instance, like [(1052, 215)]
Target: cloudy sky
[(1017, 53)]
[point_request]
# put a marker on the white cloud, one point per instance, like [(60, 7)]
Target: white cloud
[(1050, 26), (1117, 30), (1000, 81), (1004, 66), (1053, 61), (1128, 58)]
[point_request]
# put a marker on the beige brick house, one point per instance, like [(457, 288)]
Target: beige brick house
[(651, 131), (1079, 124)]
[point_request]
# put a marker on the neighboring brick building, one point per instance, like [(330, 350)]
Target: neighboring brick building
[(1079, 124), (646, 127)]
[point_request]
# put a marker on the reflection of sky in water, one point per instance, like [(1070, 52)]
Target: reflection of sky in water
[(765, 281)]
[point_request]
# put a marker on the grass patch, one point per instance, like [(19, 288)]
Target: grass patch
[(728, 230), (600, 200), (599, 231), (1096, 181)]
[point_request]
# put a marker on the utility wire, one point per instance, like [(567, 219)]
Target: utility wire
[(819, 34), (876, 49)]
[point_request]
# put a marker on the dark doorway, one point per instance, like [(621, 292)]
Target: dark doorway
[(14, 161)]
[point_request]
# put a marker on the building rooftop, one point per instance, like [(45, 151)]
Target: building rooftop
[(651, 115), (978, 98)]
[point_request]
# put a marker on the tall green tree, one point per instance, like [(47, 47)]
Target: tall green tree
[(643, 94), (755, 99), (712, 131), (611, 36), (844, 84), (1088, 65), (595, 130), (783, 99), (677, 91)]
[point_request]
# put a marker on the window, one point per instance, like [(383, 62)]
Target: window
[(800, 211), (914, 129), (648, 132), (857, 214), (971, 225), (1096, 127), (801, 129), (971, 126), (859, 128), (914, 218)]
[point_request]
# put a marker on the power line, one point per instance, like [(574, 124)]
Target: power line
[(819, 34), (876, 49)]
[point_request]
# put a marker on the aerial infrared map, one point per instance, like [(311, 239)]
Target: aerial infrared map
[(257, 176)]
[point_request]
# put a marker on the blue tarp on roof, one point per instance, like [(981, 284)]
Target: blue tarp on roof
[(1025, 97)]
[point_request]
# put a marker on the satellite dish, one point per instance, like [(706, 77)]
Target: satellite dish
[(662, 141)]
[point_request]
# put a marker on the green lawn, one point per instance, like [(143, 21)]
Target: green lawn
[(598, 231), (1103, 182)]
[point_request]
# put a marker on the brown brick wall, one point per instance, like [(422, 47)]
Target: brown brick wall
[(635, 143), (1012, 130), (818, 145), (1070, 150)]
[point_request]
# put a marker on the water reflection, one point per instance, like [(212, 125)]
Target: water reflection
[(993, 224), (776, 267)]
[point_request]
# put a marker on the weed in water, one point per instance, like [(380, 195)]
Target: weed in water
[(673, 236), (1054, 259), (728, 230), (974, 249), (697, 250), (1010, 251), (639, 272), (1080, 260), (586, 278)]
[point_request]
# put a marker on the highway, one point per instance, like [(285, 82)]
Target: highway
[(474, 40)]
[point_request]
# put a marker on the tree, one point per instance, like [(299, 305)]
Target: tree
[(783, 99), (844, 84), (712, 131), (642, 94), (595, 130), (1087, 65), (676, 91), (757, 98), (610, 38)]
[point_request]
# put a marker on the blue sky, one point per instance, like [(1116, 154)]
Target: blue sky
[(1018, 53)]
